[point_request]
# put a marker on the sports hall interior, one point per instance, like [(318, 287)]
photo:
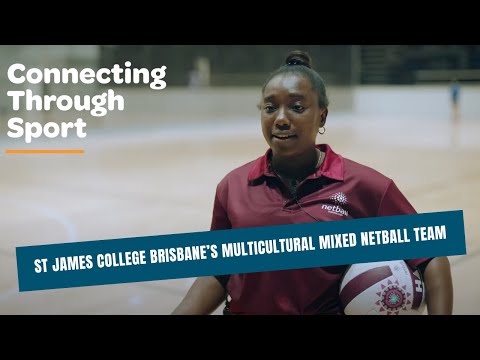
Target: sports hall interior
[(152, 168)]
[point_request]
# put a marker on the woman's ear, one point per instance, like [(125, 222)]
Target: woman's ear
[(323, 117)]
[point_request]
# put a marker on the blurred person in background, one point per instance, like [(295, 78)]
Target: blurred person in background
[(455, 98)]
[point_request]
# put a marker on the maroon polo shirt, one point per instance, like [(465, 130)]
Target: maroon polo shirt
[(340, 189)]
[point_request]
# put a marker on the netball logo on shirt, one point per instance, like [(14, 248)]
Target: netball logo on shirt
[(339, 199)]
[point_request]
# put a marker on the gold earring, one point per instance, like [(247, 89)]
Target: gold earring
[(323, 132)]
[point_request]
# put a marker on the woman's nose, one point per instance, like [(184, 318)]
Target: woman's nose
[(281, 119)]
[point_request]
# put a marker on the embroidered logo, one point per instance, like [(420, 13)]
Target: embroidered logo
[(339, 199)]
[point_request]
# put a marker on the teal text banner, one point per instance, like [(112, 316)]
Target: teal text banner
[(271, 248)]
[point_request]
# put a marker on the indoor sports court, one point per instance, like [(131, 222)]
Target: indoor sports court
[(152, 169)]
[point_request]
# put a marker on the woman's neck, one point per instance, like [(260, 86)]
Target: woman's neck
[(298, 167)]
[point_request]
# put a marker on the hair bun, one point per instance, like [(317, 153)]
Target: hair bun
[(298, 57)]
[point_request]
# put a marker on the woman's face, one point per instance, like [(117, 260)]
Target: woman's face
[(291, 116)]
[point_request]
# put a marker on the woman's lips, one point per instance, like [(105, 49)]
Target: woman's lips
[(284, 136)]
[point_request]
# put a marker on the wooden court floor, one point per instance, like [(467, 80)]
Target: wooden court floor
[(151, 181)]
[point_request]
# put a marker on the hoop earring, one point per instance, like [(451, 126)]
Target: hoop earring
[(323, 132)]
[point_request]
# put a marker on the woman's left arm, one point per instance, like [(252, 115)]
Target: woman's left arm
[(439, 287)]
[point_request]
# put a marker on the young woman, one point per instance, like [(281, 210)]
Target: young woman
[(288, 185)]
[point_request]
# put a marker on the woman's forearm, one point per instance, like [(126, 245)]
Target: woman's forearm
[(439, 287), (203, 297)]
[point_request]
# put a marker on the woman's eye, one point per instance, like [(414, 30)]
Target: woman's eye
[(269, 108), (298, 108)]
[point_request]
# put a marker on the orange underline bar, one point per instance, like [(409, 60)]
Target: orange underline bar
[(44, 151)]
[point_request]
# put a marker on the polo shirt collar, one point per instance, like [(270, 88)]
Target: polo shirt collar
[(332, 166)]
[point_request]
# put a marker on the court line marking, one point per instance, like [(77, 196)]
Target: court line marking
[(44, 151)]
